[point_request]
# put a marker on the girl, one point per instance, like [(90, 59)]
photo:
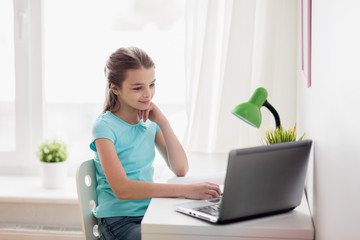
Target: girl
[(124, 140)]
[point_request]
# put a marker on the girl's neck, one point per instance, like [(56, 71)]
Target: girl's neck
[(127, 115)]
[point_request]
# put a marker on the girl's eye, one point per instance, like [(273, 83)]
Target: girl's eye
[(137, 89), (152, 85)]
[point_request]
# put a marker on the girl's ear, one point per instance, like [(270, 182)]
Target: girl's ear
[(115, 89)]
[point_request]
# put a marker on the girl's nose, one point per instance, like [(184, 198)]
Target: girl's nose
[(147, 93)]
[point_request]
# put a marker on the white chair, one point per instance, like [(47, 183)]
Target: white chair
[(86, 188)]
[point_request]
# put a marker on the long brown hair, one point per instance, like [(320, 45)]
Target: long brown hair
[(117, 65)]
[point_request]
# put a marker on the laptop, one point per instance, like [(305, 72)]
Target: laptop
[(260, 181)]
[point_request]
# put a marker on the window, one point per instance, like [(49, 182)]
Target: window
[(21, 117), (61, 88), (7, 78)]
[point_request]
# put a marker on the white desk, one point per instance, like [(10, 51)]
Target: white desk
[(161, 222)]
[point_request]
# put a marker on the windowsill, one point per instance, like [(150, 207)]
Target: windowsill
[(20, 188), (29, 211)]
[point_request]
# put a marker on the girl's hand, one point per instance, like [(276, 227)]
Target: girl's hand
[(200, 191), (153, 113)]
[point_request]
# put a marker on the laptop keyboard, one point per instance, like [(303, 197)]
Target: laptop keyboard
[(212, 209)]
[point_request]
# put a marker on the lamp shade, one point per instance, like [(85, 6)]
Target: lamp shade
[(250, 111)]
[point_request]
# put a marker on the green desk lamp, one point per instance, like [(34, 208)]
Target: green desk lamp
[(250, 111)]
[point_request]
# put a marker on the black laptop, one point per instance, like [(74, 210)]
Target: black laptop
[(259, 181)]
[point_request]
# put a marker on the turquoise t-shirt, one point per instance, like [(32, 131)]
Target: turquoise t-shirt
[(135, 147)]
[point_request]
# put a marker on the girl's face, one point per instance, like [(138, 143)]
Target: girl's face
[(138, 89)]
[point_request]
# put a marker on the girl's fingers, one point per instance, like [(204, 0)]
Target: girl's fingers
[(215, 188), (141, 114), (213, 193), (211, 190), (146, 112), (146, 115)]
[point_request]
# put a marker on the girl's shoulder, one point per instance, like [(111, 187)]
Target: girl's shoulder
[(105, 120)]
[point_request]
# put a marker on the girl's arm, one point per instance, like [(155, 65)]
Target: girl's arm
[(171, 150), (130, 189), (167, 142)]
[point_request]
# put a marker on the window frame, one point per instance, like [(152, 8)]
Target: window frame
[(29, 116)]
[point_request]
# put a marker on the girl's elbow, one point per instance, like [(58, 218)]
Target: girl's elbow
[(119, 195), (122, 194), (181, 172)]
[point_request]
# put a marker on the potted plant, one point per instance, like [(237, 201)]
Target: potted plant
[(281, 134), (53, 155)]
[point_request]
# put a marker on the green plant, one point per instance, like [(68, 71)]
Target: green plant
[(52, 151), (280, 135)]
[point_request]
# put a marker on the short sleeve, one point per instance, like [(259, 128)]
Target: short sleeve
[(157, 128), (101, 130)]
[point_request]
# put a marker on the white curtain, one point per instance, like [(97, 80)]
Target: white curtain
[(233, 47)]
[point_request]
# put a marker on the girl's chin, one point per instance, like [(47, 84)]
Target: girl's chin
[(143, 108)]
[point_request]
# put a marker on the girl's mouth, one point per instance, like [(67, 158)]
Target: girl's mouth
[(145, 102)]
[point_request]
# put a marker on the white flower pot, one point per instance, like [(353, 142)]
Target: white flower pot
[(53, 174)]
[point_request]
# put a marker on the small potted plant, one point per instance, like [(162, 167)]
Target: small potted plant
[(280, 135), (53, 155)]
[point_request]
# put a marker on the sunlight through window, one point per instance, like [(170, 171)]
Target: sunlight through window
[(79, 37), (7, 78)]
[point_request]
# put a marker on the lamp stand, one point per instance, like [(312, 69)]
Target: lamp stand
[(274, 112)]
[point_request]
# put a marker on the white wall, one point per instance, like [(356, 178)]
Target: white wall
[(329, 112)]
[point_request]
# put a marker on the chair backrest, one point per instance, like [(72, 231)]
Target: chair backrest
[(86, 187)]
